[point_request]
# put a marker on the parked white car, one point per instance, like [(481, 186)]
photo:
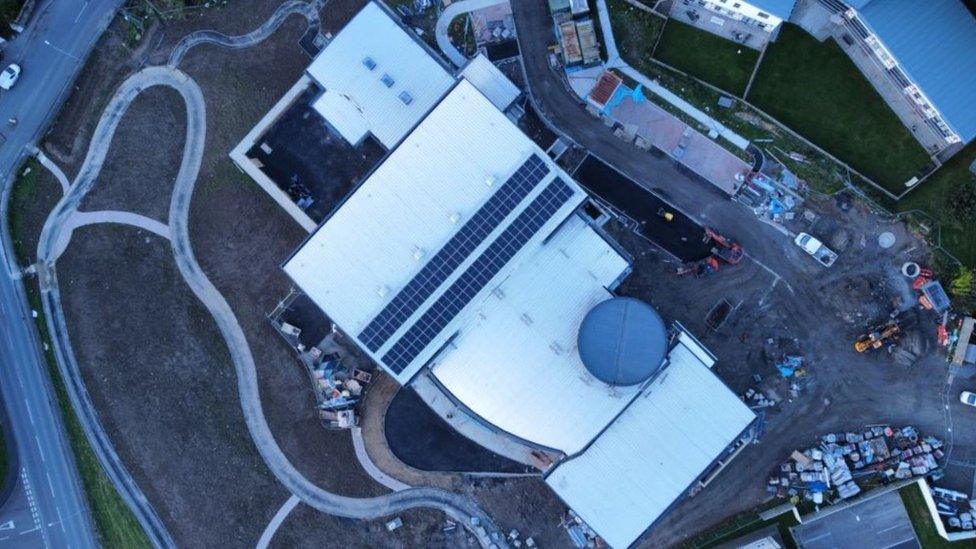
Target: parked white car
[(9, 76), (968, 398), (816, 248)]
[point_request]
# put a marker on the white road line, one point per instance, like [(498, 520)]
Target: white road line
[(49, 483), (29, 414), (81, 11)]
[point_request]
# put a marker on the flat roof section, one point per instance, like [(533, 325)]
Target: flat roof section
[(876, 523), (491, 82), (654, 451), (377, 79), (410, 208)]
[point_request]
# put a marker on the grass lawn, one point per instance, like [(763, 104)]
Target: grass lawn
[(114, 522), (720, 62), (817, 91), (911, 496), (940, 196), (636, 33)]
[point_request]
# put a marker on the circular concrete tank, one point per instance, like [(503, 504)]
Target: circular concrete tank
[(622, 341)]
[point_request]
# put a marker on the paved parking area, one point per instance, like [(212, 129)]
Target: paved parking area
[(880, 522)]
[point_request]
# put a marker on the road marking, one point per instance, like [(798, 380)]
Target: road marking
[(59, 50), (50, 484), (81, 11), (29, 414)]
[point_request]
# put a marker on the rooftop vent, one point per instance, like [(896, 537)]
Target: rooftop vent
[(489, 180), (418, 253), (383, 290), (455, 217), (369, 63), (406, 98), (387, 80)]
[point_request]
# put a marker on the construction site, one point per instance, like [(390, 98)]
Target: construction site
[(801, 348)]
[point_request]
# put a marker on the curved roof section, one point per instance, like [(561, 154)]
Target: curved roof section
[(622, 341)]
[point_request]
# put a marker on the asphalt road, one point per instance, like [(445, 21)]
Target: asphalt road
[(47, 508)]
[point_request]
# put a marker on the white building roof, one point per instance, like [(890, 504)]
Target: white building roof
[(516, 364), (490, 81), (356, 100), (655, 450), (410, 207)]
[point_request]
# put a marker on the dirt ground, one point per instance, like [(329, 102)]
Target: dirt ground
[(164, 388), (806, 312), (141, 166)]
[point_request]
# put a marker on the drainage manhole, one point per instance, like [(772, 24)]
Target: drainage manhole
[(886, 240)]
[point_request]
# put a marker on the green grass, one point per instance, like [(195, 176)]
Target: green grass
[(937, 197), (742, 525), (114, 522), (911, 496), (720, 62), (816, 90), (23, 192), (636, 33)]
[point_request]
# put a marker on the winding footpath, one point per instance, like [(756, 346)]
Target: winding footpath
[(309, 11), (56, 235)]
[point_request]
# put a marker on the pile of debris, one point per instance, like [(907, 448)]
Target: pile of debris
[(844, 463), (579, 532), (337, 391), (958, 511)]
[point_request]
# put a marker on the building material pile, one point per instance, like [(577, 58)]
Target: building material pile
[(957, 510), (844, 463)]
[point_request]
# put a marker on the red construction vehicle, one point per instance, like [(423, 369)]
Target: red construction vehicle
[(725, 248)]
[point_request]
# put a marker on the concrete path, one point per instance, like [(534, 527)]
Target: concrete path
[(370, 467), (614, 61), (309, 11), (456, 506), (81, 219), (444, 23), (54, 169), (276, 521)]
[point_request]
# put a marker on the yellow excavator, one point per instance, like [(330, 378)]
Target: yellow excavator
[(878, 336)]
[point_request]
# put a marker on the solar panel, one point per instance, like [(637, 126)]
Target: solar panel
[(474, 279), (455, 252)]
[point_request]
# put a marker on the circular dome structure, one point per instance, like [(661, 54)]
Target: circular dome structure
[(622, 341)]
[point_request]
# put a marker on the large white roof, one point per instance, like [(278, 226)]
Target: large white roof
[(516, 364), (356, 101), (655, 450), (410, 207)]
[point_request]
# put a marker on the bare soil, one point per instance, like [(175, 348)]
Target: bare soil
[(141, 166), (161, 380)]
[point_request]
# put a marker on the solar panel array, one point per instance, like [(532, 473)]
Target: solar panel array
[(463, 290), (457, 249)]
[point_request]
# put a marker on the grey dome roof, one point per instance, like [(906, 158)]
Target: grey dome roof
[(622, 341)]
